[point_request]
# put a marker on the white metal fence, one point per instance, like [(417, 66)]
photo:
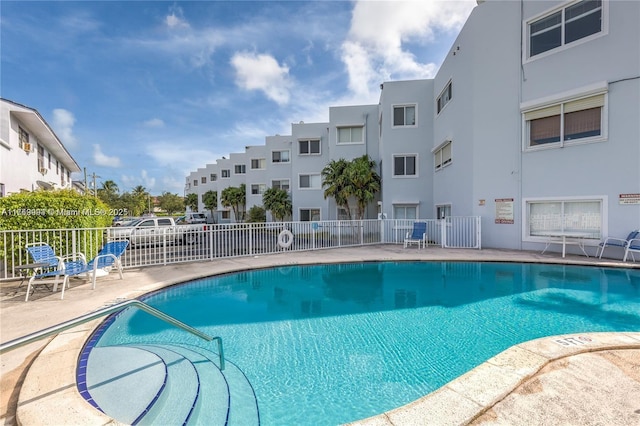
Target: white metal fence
[(188, 244)]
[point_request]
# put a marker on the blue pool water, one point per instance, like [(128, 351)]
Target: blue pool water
[(325, 345)]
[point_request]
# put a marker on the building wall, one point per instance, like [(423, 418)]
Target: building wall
[(495, 85), (46, 165)]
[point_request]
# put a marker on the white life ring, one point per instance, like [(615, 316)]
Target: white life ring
[(285, 238)]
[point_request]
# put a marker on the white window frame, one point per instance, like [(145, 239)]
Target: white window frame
[(415, 206), (195, 182), (447, 88), (258, 188), (443, 210), (526, 203), (241, 167), (440, 162), (310, 209), (280, 151), (203, 179), (529, 108), (261, 162), (404, 176), (310, 188), (604, 30), (225, 173), (404, 126), (213, 177), (341, 213), (350, 128), (280, 184), (308, 141)]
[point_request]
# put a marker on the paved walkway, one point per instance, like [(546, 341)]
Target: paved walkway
[(538, 382)]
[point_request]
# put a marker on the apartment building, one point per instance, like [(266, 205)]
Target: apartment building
[(31, 155), (531, 123)]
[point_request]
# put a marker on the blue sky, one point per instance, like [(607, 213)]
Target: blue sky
[(144, 92)]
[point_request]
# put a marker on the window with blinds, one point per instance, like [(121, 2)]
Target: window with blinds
[(442, 156), (576, 120), (584, 216)]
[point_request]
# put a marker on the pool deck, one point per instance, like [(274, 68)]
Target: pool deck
[(582, 379)]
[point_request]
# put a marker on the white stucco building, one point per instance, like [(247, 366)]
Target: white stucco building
[(532, 123), (31, 155)]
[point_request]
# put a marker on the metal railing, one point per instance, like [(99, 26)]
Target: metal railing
[(33, 337), (190, 243)]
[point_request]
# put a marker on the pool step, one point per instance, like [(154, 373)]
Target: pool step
[(243, 406), (175, 404), (172, 384), (114, 373)]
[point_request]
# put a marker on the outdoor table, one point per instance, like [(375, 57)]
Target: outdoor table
[(24, 269), (579, 236)]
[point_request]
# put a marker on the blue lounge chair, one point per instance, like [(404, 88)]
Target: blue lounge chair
[(632, 246), (617, 242), (106, 259), (418, 235), (55, 267)]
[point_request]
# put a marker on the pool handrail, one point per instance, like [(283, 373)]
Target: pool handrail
[(33, 337)]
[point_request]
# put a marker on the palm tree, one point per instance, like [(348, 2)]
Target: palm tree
[(235, 197), (210, 200), (278, 202), (334, 180), (191, 201), (140, 199), (108, 193), (363, 182)]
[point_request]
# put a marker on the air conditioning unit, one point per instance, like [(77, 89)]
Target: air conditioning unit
[(43, 170), (26, 146)]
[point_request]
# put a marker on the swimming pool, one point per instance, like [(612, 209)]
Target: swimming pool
[(334, 343)]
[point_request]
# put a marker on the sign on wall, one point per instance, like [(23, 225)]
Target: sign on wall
[(504, 210), (629, 199)]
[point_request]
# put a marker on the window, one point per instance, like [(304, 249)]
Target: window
[(203, 179), (408, 211), (49, 157), (309, 147), (164, 222), (239, 169), (195, 182), (280, 157), (553, 216), (310, 182), (404, 165), (225, 214), (442, 156), (213, 177), (57, 166), (443, 211), (350, 135), (62, 175), (23, 138), (578, 120), (404, 115), (280, 184), (444, 97), (342, 214), (225, 173), (567, 25), (308, 215), (258, 188), (258, 163)]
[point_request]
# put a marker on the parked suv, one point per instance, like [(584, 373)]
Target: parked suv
[(192, 217)]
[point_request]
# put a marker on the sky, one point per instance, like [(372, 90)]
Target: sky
[(145, 92)]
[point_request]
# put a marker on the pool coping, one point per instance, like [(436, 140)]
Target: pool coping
[(49, 390)]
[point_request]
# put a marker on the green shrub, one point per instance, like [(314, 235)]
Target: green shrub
[(257, 214), (51, 210)]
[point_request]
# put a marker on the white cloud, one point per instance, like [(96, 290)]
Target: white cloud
[(63, 122), (154, 123), (373, 51), (262, 72), (176, 18), (101, 159), (143, 179)]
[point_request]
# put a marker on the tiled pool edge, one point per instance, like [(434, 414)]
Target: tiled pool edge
[(469, 396)]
